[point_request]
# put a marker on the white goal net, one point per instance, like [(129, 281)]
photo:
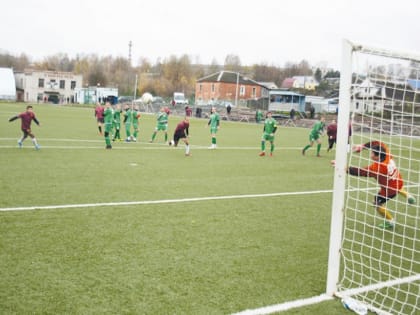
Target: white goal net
[(375, 230)]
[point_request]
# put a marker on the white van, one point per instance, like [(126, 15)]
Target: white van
[(179, 99)]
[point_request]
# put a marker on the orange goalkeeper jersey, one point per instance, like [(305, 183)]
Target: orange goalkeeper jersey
[(384, 171)]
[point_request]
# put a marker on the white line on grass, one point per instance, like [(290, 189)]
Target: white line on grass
[(163, 201), (286, 306)]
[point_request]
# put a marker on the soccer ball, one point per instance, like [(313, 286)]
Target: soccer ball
[(171, 142), (147, 98)]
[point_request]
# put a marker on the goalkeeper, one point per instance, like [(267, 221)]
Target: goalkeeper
[(385, 171)]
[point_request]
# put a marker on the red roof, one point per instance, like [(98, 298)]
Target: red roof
[(287, 83)]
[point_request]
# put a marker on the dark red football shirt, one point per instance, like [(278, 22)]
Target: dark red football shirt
[(26, 118), (182, 127)]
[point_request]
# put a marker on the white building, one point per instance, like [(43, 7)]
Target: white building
[(305, 82), (94, 94), (321, 104), (7, 85), (368, 97), (47, 86)]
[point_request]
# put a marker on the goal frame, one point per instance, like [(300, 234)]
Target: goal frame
[(340, 175)]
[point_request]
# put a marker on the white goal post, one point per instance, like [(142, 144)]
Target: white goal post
[(377, 266)]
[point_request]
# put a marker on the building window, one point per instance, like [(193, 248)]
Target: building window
[(242, 90), (212, 88), (200, 88), (73, 85), (62, 84), (254, 92), (41, 83)]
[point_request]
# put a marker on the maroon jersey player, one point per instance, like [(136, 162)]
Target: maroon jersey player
[(182, 133), (26, 121)]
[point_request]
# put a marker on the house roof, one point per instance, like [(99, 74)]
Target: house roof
[(269, 85), (283, 92), (287, 83), (229, 77), (389, 90)]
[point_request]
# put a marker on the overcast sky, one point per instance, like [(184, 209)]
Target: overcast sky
[(258, 31)]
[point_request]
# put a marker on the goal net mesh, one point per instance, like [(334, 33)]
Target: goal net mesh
[(380, 267)]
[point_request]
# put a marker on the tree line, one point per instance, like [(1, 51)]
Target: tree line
[(163, 77)]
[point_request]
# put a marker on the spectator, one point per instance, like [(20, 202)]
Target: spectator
[(312, 111), (198, 112), (292, 114), (188, 111), (228, 109)]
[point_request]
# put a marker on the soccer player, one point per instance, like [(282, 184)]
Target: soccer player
[(182, 133), (214, 123), (128, 118), (258, 116), (314, 135), (26, 120), (108, 115), (99, 114), (116, 125), (385, 171), (135, 122), (162, 124), (270, 127), (332, 135)]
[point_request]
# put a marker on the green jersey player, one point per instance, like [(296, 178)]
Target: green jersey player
[(214, 123), (117, 123), (135, 121), (108, 120), (270, 127), (161, 124), (315, 135), (128, 119)]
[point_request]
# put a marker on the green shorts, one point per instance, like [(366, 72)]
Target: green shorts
[(161, 127), (267, 137), (313, 137), (213, 130)]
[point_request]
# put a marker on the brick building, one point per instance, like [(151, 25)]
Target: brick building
[(227, 86)]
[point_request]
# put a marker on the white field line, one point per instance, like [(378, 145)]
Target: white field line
[(133, 145), (162, 201), (287, 305), (129, 147)]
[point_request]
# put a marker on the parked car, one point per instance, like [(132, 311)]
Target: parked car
[(125, 99), (179, 99), (157, 100)]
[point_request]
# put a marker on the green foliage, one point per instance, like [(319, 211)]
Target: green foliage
[(214, 256)]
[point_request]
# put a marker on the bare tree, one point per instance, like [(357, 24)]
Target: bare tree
[(233, 63)]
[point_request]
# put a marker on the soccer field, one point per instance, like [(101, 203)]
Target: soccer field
[(142, 229)]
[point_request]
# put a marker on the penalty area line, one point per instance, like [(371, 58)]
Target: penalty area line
[(163, 201)]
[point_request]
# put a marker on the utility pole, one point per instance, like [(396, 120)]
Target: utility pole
[(130, 44)]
